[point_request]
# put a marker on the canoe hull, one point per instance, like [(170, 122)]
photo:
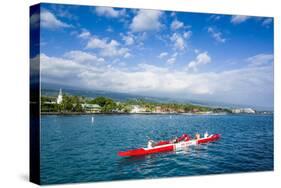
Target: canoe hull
[(168, 147)]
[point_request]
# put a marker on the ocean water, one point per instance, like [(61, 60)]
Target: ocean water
[(73, 149)]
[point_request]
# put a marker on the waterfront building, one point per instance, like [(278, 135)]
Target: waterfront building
[(137, 109), (243, 110), (158, 109), (91, 108)]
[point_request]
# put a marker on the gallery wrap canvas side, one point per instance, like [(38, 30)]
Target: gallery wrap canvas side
[(34, 89)]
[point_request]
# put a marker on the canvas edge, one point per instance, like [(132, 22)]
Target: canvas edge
[(34, 94)]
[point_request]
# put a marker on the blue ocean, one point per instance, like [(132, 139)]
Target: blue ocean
[(76, 149)]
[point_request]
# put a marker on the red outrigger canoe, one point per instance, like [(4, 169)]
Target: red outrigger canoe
[(166, 146)]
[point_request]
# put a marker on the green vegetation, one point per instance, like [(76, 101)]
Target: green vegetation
[(47, 106), (69, 104), (103, 104), (106, 104)]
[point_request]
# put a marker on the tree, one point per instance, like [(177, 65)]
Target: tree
[(107, 104), (77, 107), (66, 104), (102, 101)]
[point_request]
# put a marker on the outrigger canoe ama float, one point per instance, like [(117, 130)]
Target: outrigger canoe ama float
[(166, 146)]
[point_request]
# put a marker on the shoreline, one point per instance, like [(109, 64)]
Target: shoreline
[(147, 113), (123, 113)]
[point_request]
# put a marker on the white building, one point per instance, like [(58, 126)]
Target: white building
[(92, 108), (137, 109), (249, 110), (243, 110), (59, 99)]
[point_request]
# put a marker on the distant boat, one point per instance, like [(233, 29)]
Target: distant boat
[(93, 119), (170, 117)]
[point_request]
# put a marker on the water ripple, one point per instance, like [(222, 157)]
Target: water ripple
[(75, 150)]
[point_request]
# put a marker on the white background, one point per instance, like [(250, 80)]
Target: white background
[(14, 96)]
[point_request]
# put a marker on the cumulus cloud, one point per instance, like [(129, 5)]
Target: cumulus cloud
[(80, 56), (146, 20), (260, 60), (171, 60), (238, 85), (216, 35), (176, 25), (239, 19), (187, 35), (128, 39), (85, 34), (58, 68), (109, 12), (108, 48), (49, 20), (163, 54), (264, 21), (201, 59), (178, 41)]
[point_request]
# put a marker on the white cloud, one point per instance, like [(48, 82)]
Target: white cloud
[(146, 20), (108, 48), (216, 35), (49, 20), (173, 14), (260, 60), (95, 42), (249, 85), (58, 68), (239, 19), (178, 40), (171, 60), (201, 59), (129, 39), (187, 35), (109, 12), (214, 17), (85, 34), (127, 55), (267, 21), (80, 56), (109, 29), (176, 25), (163, 54)]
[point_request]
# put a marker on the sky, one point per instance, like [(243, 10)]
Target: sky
[(208, 57)]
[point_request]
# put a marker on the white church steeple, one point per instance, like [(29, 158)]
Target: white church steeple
[(59, 99)]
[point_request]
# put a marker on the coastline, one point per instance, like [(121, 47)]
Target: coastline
[(147, 113), (125, 113)]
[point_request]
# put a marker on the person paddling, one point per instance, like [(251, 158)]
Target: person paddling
[(150, 143), (206, 134), (197, 136), (184, 137)]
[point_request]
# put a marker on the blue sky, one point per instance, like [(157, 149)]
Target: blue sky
[(209, 57)]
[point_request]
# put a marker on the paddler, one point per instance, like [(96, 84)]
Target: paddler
[(184, 137), (150, 144), (206, 134), (197, 136)]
